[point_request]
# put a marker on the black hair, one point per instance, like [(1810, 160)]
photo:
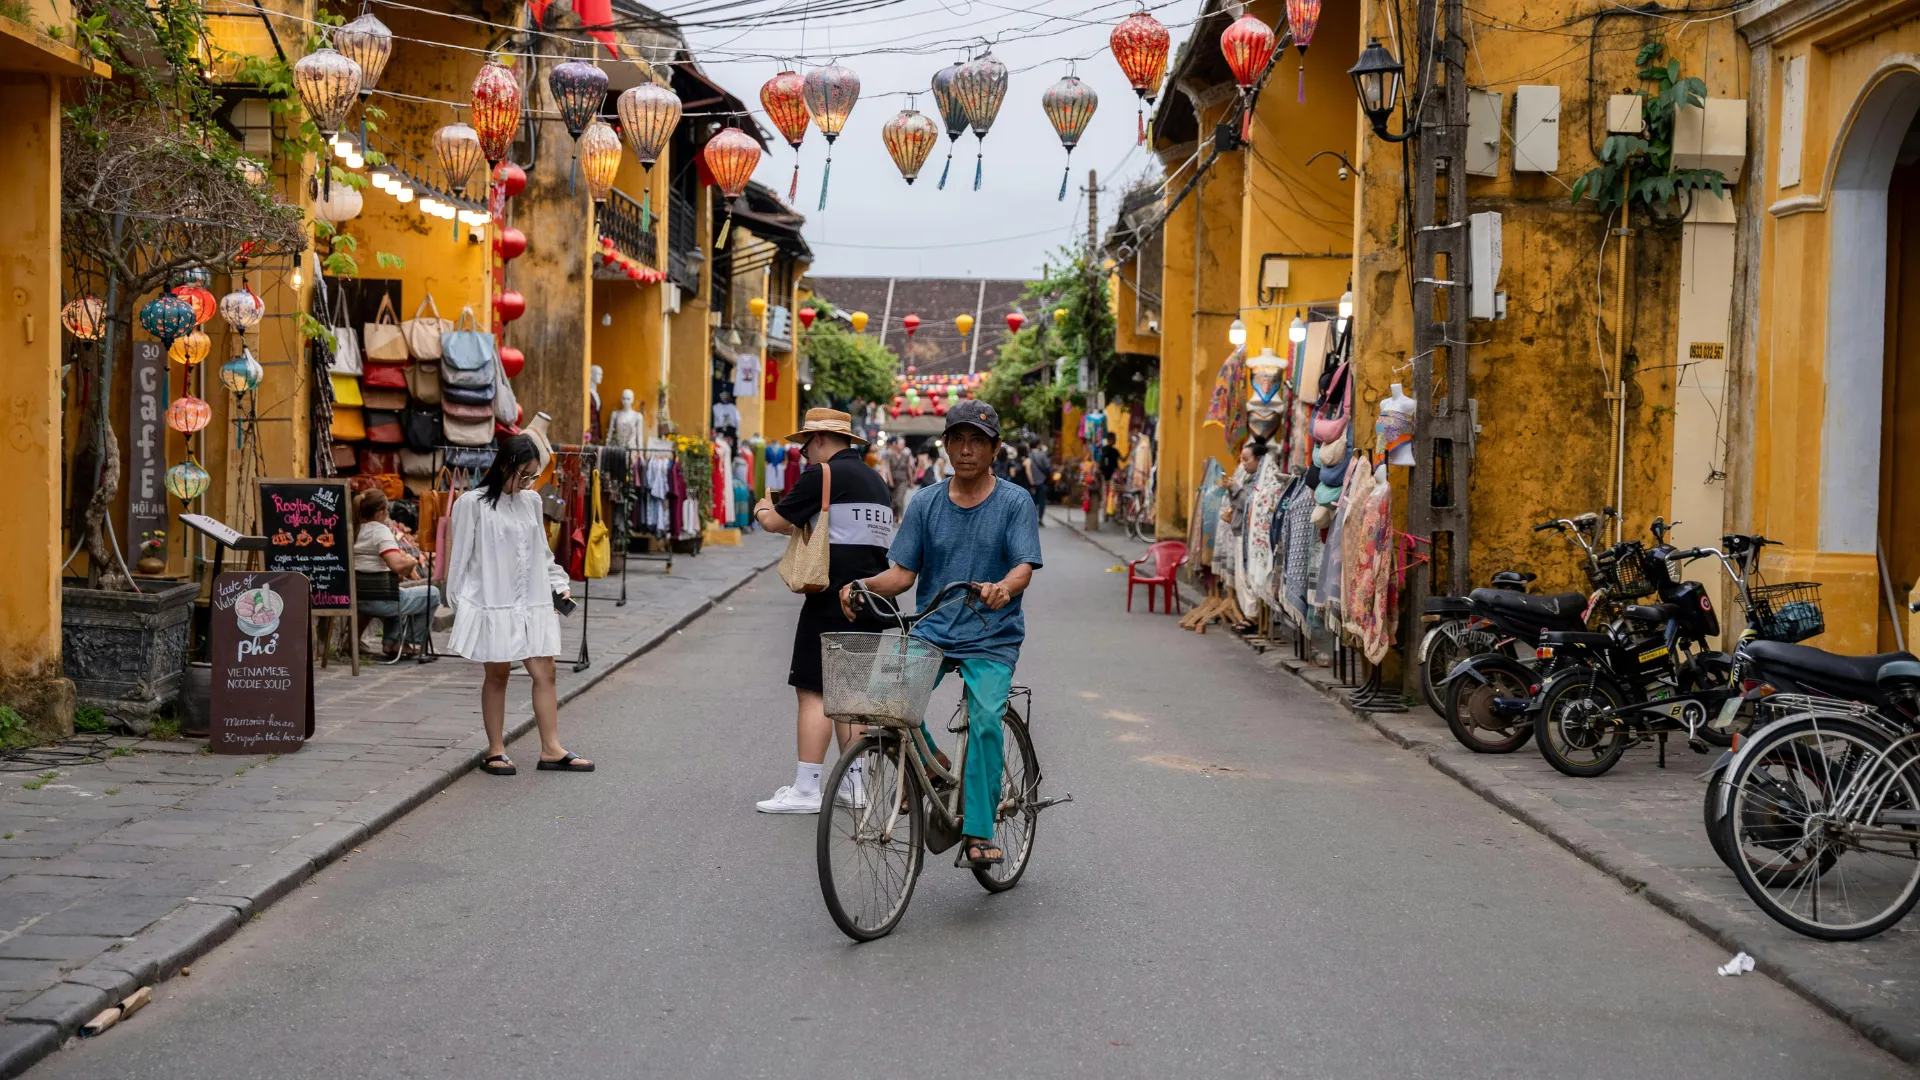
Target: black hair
[(1258, 447), (515, 451)]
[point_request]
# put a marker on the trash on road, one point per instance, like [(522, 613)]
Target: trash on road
[(1739, 965)]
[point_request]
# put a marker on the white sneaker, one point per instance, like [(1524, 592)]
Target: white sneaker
[(852, 793), (789, 801)]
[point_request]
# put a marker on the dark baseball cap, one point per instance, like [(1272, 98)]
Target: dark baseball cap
[(974, 413)]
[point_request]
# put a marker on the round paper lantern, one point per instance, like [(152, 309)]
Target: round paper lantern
[(1069, 105), (511, 178), (496, 110), (509, 243), (1140, 45), (599, 158), (190, 349), (579, 89), (85, 317), (327, 81), (340, 203), (242, 310), (1247, 46), (757, 305), (1015, 321), (830, 93), (202, 301), (784, 98), (909, 137), (806, 317), (188, 414), (648, 114), (981, 85), (367, 42), (963, 323), (859, 321), (187, 481), (512, 360), (731, 156), (458, 147), (952, 112), (912, 323), (167, 317), (509, 305), (242, 373)]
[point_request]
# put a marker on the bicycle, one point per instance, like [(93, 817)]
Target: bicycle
[(1136, 516), (876, 802)]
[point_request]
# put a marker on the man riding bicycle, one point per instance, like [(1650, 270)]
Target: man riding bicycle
[(972, 527)]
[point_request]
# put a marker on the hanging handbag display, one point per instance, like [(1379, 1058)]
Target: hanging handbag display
[(423, 331), (506, 407), (384, 427), (469, 457), (599, 541), (1336, 406), (382, 340), (469, 432), (419, 465), (348, 424), (467, 356), (344, 458), (460, 410), (388, 400), (375, 462), (468, 395), (385, 376), (423, 382), (346, 389), (421, 428), (803, 566), (346, 343)]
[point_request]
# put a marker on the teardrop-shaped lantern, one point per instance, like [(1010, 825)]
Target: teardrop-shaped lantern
[(784, 98), (963, 322), (1248, 47), (242, 373), (579, 89), (190, 348), (830, 93), (496, 110), (910, 136), (648, 114), (599, 158), (85, 317), (910, 323), (458, 147), (188, 414), (334, 205), (328, 82), (952, 112), (242, 309), (167, 317), (1140, 45), (202, 301), (981, 85), (1303, 16), (1069, 104), (366, 41), (187, 481), (731, 156), (1015, 320)]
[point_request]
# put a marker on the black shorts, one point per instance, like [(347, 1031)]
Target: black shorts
[(821, 615)]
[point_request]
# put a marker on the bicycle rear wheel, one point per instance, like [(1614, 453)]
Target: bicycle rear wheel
[(1017, 819), (871, 825)]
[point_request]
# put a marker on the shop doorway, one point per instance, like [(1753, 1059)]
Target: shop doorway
[(1899, 531)]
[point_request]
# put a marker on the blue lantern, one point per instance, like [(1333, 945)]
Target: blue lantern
[(242, 373), (192, 275), (168, 317)]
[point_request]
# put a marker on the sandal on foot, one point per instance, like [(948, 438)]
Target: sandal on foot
[(572, 762), (498, 765), (977, 853)]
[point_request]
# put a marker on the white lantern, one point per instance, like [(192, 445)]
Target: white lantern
[(340, 203)]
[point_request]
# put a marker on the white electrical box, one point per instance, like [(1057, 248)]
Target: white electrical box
[(1712, 135), (1626, 115), (1484, 113), (1483, 259), (1536, 129), (1275, 273)]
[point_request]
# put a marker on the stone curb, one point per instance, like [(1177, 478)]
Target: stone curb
[(1886, 1028), (37, 1028)]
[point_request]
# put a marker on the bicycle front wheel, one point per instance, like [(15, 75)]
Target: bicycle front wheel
[(1017, 818), (871, 825)]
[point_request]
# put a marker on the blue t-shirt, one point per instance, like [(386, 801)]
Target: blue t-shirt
[(944, 543)]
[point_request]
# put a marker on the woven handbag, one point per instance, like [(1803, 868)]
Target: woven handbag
[(803, 566), (381, 337)]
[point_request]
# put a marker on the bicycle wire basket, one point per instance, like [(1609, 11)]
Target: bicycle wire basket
[(1623, 571), (1788, 612), (880, 679)]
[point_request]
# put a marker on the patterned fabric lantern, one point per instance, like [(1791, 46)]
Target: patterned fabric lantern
[(1069, 104), (830, 93), (599, 159), (731, 156), (952, 112), (85, 317), (190, 349), (167, 317), (242, 373), (204, 305), (187, 481), (328, 82), (579, 89), (981, 85), (910, 137), (188, 414), (1140, 45), (459, 149), (242, 310), (784, 98), (911, 323), (1302, 17), (648, 114), (366, 41), (1248, 46), (496, 110)]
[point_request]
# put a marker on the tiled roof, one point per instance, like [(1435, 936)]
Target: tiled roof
[(936, 347)]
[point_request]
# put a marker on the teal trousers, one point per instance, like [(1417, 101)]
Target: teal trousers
[(987, 685)]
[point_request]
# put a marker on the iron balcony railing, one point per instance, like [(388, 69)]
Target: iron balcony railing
[(682, 241), (620, 221)]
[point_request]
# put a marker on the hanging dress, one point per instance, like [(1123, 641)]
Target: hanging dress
[(1269, 481)]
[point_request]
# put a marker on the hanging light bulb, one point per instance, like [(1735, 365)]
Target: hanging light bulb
[(379, 178), (1237, 333), (296, 274), (404, 193), (342, 147), (1297, 331), (1346, 304), (355, 159)]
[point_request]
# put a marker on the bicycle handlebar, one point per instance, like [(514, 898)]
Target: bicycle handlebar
[(885, 608), (1545, 525)]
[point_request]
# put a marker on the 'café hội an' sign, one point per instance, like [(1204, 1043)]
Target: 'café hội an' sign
[(146, 448)]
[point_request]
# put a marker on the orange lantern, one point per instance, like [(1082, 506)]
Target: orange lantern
[(190, 349), (1248, 47), (204, 305), (731, 156), (188, 414), (784, 98), (1140, 45), (599, 147)]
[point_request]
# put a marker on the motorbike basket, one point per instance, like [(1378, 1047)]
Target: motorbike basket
[(1623, 572)]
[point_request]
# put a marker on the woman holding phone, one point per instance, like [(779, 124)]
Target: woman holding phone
[(506, 592)]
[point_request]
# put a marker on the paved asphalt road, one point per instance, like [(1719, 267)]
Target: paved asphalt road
[(1248, 885)]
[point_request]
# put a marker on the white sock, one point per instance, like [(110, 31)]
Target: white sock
[(806, 780)]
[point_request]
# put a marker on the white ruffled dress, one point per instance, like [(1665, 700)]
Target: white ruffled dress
[(501, 578)]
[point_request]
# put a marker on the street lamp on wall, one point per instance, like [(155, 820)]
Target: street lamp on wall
[(1376, 78)]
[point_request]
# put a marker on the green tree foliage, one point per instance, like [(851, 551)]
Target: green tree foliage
[(1644, 163), (1022, 386), (849, 370)]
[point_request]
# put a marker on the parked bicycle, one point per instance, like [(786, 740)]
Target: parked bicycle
[(1135, 513)]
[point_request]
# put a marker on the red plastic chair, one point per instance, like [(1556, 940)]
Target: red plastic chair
[(1167, 556)]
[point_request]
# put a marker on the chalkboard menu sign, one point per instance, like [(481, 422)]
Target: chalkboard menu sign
[(262, 699), (309, 529)]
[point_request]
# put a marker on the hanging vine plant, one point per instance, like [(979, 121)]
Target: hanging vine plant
[(1639, 168)]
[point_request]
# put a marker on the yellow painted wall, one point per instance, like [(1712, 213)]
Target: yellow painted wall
[(1179, 411), (690, 380)]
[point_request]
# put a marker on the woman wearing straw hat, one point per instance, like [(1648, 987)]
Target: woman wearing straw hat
[(859, 530)]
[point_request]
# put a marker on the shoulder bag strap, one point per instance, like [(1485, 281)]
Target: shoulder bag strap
[(826, 490), (466, 319), (386, 315)]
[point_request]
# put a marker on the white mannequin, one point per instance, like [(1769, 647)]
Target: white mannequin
[(625, 426), (594, 375), (1397, 401)]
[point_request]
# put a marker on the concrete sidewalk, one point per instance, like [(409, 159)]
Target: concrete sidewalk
[(120, 868), (1641, 825)]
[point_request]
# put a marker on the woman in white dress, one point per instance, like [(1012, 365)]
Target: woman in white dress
[(502, 583)]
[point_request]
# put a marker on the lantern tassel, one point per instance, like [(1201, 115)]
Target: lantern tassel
[(1141, 116), (793, 189), (976, 172), (1302, 98), (572, 171), (1246, 118), (646, 210), (1064, 173), (825, 175), (724, 231), (945, 169)]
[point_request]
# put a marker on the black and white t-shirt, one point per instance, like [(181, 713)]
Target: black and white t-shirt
[(859, 517)]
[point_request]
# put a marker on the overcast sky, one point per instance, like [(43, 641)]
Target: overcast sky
[(874, 223)]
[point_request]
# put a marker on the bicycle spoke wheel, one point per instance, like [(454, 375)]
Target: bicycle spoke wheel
[(1824, 832), (871, 819), (1017, 819)]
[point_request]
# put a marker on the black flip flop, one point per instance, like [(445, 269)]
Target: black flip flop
[(981, 845), (566, 764), (505, 768)]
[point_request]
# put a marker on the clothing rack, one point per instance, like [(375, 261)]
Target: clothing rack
[(636, 464)]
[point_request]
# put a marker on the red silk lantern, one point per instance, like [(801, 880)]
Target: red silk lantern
[(1140, 45), (806, 318), (731, 155), (1015, 320), (188, 414), (784, 98), (1302, 17), (512, 360), (1248, 47), (511, 178), (509, 305), (202, 301), (894, 411), (496, 110), (509, 244), (912, 323)]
